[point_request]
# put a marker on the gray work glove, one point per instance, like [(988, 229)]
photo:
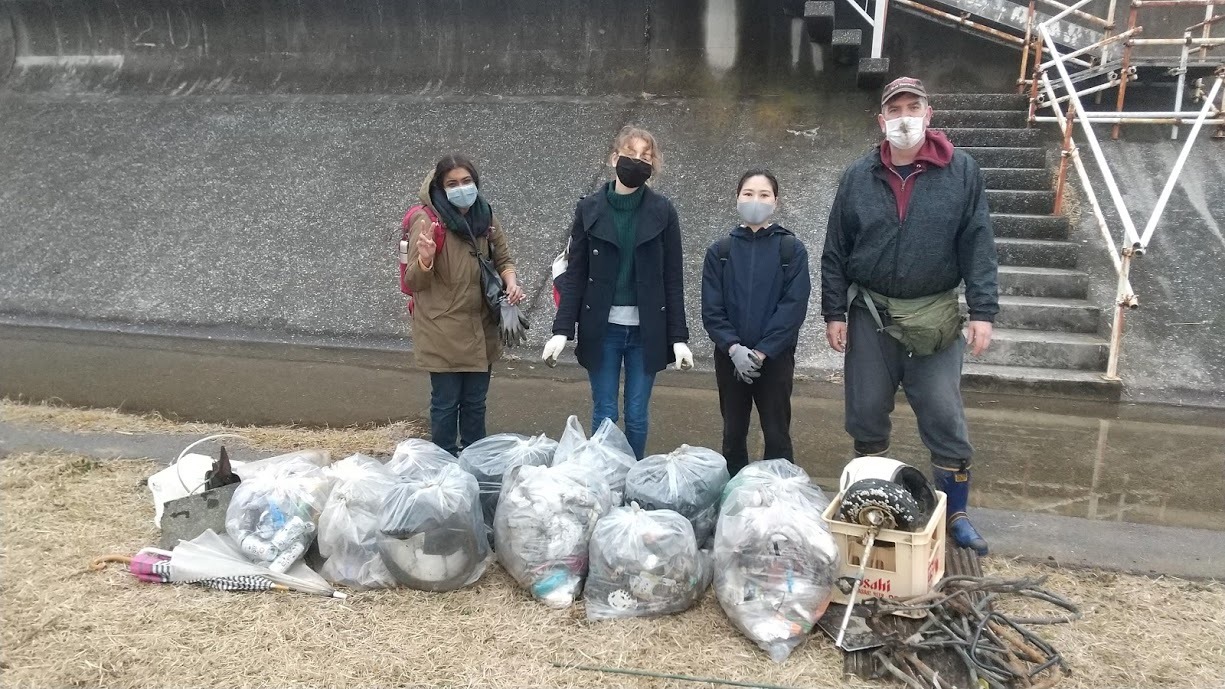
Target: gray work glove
[(748, 364), (513, 325)]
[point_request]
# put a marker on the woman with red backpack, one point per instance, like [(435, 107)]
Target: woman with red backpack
[(623, 288), (455, 332)]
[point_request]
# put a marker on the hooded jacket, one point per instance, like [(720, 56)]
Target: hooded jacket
[(912, 238), (749, 299), (453, 329)]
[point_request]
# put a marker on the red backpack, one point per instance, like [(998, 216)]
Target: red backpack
[(440, 238)]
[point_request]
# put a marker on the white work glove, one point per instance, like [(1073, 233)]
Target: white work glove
[(553, 349), (684, 357)]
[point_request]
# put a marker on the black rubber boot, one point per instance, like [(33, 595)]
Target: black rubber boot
[(875, 449), (956, 487)]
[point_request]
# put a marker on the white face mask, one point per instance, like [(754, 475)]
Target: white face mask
[(905, 132)]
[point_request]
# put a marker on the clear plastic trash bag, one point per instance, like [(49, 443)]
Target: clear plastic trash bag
[(491, 458), (787, 476), (689, 480), (775, 562), (274, 513), (543, 527), (431, 533), (643, 563), (420, 458), (607, 450), (349, 523)]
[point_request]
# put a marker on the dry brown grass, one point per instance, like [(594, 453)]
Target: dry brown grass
[(65, 626), (341, 442), (1136, 631)]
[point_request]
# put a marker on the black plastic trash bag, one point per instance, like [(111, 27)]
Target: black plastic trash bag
[(349, 523), (775, 562), (491, 458), (643, 563), (431, 533), (543, 528), (689, 480), (274, 513), (607, 450)]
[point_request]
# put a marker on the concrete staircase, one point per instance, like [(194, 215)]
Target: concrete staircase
[(1047, 337), (847, 44)]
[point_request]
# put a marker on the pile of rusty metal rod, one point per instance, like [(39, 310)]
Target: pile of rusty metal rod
[(997, 650)]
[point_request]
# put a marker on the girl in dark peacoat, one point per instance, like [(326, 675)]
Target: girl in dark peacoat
[(623, 289)]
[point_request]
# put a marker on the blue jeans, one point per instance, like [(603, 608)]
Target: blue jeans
[(622, 343), (457, 408)]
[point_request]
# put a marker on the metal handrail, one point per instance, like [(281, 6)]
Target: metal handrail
[(1072, 151), (862, 12), (1111, 40), (1178, 164), (1134, 245), (1079, 14), (1129, 229), (1042, 92)]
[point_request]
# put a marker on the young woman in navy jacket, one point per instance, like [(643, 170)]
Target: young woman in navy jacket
[(755, 289)]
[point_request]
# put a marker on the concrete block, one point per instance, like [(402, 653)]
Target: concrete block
[(846, 45), (980, 118), (1037, 252), (1007, 156), (1047, 313), (819, 20), (979, 101), (988, 136), (1028, 281), (1021, 202), (1046, 349), (191, 516), (1029, 226), (1045, 382), (1016, 178), (873, 71)]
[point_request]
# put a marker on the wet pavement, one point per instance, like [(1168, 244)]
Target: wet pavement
[(1139, 464), (1052, 485)]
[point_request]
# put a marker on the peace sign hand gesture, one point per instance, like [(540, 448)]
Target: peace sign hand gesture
[(426, 248)]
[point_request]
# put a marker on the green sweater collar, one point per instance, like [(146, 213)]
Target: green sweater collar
[(624, 202)]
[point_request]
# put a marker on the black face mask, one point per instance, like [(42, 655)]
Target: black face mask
[(633, 173)]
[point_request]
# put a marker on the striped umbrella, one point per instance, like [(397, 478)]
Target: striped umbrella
[(216, 562), (153, 565)]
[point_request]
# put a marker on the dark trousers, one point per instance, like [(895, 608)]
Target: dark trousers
[(772, 395), (876, 364), (457, 408)]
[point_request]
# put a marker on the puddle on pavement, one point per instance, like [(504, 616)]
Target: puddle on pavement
[(1104, 469), (1169, 472)]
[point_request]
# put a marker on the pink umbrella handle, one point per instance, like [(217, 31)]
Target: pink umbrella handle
[(146, 566)]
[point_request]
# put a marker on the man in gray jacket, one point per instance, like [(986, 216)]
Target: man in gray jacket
[(908, 225)]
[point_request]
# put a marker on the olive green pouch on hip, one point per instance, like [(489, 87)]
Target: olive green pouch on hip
[(924, 325)]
